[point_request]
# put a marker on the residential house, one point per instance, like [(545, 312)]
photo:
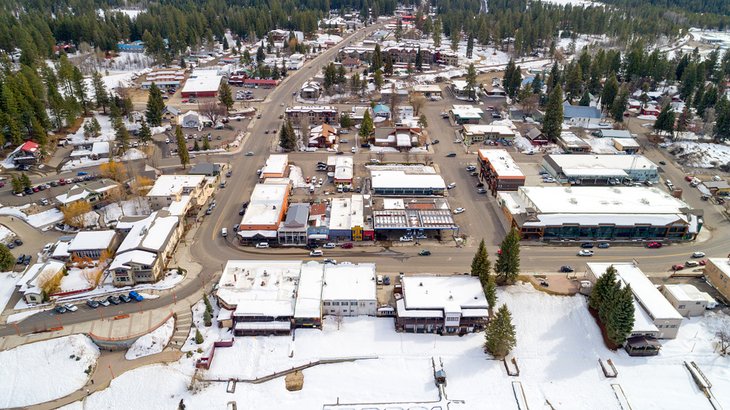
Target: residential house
[(536, 137), (311, 90), (170, 114), (206, 169), (31, 284), (172, 188), (322, 136), (382, 111), (93, 192), (190, 119), (400, 138), (27, 154), (92, 244), (580, 116), (351, 62)]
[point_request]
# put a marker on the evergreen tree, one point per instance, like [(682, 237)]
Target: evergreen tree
[(182, 148), (207, 320), (196, 146), (145, 134), (422, 121), (500, 337), (419, 60), (122, 138), (602, 288), (470, 46), (287, 137), (208, 306), (378, 79), (574, 81), (552, 122), (398, 33), (620, 320), (377, 61), (7, 260), (585, 100), (471, 82), (17, 184), (480, 264), (665, 120), (260, 55), (25, 180), (79, 87), (355, 83), (619, 105), (155, 106), (507, 266), (436, 31), (388, 68), (610, 89), (225, 96), (722, 120), (683, 121), (366, 127), (206, 144), (345, 121), (537, 84), (490, 294), (198, 336)]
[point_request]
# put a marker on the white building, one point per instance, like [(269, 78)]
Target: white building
[(267, 208), (600, 169), (277, 166), (653, 315), (406, 180), (91, 244), (472, 133), (31, 282), (170, 188), (349, 290), (688, 300)]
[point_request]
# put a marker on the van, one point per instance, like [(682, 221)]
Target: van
[(316, 253), (224, 232), (311, 189)]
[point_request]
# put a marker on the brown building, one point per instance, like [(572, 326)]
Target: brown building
[(499, 171), (717, 272)]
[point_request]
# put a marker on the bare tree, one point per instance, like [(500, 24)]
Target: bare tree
[(417, 101), (380, 155), (723, 340), (339, 320), (211, 110)]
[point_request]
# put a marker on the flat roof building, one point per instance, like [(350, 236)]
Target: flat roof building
[(312, 114), (662, 315), (605, 213), (414, 216), (717, 272), (170, 188), (205, 84), (266, 209), (600, 169), (277, 166), (406, 180), (91, 244), (571, 143), (466, 114), (472, 133), (349, 290), (499, 170), (688, 300), (441, 304)]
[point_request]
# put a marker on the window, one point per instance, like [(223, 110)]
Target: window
[(326, 303), (335, 303), (353, 303), (680, 307), (332, 311)]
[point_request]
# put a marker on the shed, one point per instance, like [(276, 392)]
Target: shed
[(642, 346)]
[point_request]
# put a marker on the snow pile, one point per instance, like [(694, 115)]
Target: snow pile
[(601, 145), (132, 207), (43, 371), (700, 154), (160, 130), (132, 154), (524, 145), (8, 280), (295, 175), (153, 342), (6, 235)]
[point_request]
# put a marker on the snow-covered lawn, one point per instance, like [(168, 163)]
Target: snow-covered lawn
[(132, 154), (38, 220), (701, 154), (6, 235), (132, 207), (8, 280), (557, 351), (77, 279), (600, 145), (43, 371), (153, 342)]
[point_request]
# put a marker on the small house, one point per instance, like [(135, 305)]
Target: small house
[(310, 90), (322, 136), (536, 136), (27, 154), (688, 300), (190, 119), (382, 111)]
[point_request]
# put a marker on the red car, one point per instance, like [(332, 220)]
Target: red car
[(347, 245), (703, 262), (677, 267), (689, 178), (653, 245)]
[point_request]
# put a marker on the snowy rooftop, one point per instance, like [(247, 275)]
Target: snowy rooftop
[(29, 280), (340, 214), (426, 88), (599, 200), (136, 256), (151, 233), (178, 208), (167, 185), (722, 264), (349, 282), (309, 291), (467, 111), (276, 164), (599, 162), (343, 167), (402, 179), (441, 292), (260, 287), (204, 82), (502, 162), (87, 240), (656, 305), (482, 129), (311, 108), (687, 292), (265, 205), (572, 140)]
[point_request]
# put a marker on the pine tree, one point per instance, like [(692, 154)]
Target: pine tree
[(260, 55), (470, 46), (490, 294), (79, 87), (552, 122), (17, 184), (122, 138), (287, 137), (500, 337), (182, 147), (207, 319), (388, 68), (145, 134), (208, 306), (377, 61), (345, 121), (537, 84), (25, 180), (480, 264), (507, 267), (398, 30), (422, 121), (366, 127), (419, 60), (206, 144), (620, 322), (155, 106), (225, 96), (198, 336), (722, 120), (610, 89), (7, 260), (665, 120), (436, 32), (585, 100), (378, 79), (574, 81), (471, 82), (683, 121), (619, 105), (196, 146), (602, 288)]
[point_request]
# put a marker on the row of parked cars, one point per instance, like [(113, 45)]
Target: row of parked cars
[(81, 177), (95, 303)]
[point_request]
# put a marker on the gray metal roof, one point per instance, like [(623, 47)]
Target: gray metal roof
[(297, 215), (577, 111)]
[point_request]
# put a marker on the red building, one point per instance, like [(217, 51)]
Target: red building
[(264, 83)]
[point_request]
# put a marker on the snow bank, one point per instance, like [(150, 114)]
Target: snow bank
[(701, 154), (8, 280), (43, 371), (5, 234), (153, 342)]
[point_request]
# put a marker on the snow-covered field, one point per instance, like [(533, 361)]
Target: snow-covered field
[(43, 371), (701, 154), (557, 352), (153, 342), (8, 280)]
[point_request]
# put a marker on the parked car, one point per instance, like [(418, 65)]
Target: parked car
[(586, 245), (698, 254), (26, 260), (386, 280), (451, 185), (566, 269), (316, 253), (604, 245), (18, 242), (92, 303), (329, 245), (124, 298), (249, 154), (347, 245), (585, 252), (70, 307), (136, 296), (691, 264), (20, 259), (654, 245), (60, 310), (434, 142), (406, 239), (103, 302), (424, 252), (330, 261), (471, 168), (262, 245), (114, 300), (451, 155), (459, 211), (481, 191), (677, 267)]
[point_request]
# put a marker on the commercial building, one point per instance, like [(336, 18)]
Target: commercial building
[(428, 90), (717, 273), (466, 114), (347, 219), (627, 145), (414, 217), (472, 133), (293, 230), (654, 316), (600, 169), (170, 189), (202, 84), (688, 300), (499, 171), (146, 249), (91, 244), (312, 114), (277, 166), (599, 213), (570, 143), (349, 290), (447, 305), (266, 209), (621, 134), (406, 180), (343, 169), (401, 138)]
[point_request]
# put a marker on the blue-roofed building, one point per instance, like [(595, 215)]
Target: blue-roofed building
[(571, 112), (382, 110), (133, 47)]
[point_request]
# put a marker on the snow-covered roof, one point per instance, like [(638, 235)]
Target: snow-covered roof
[(626, 142), (150, 234), (438, 292), (101, 147), (91, 240), (593, 163), (166, 185), (264, 287), (137, 256), (426, 88), (29, 281), (501, 162), (311, 108), (343, 168), (309, 291), (615, 134), (204, 82), (265, 205), (502, 131), (403, 179), (686, 292), (349, 282), (61, 250), (467, 111), (723, 265), (340, 211), (276, 164), (179, 208), (572, 140), (656, 305)]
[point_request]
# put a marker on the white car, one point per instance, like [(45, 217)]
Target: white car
[(406, 239), (329, 246), (70, 307), (585, 252), (459, 211), (698, 254), (451, 185), (548, 179), (353, 149), (262, 245)]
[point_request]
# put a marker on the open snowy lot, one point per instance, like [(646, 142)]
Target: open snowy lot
[(43, 371), (558, 349), (701, 154)]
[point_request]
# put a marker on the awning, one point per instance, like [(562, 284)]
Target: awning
[(317, 236), (253, 234)]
